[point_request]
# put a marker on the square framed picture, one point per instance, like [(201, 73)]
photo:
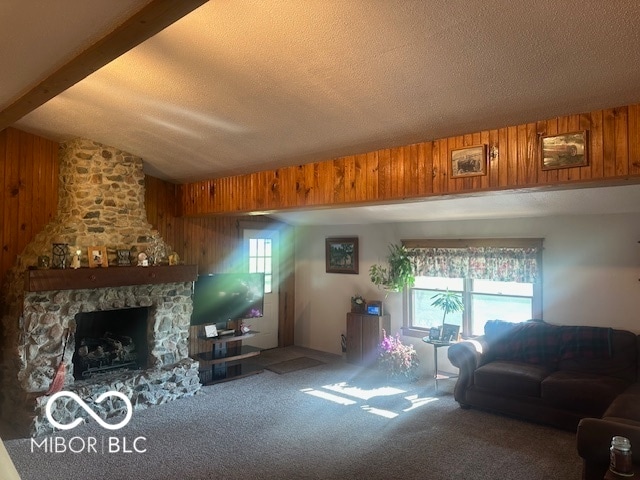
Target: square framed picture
[(469, 161), (450, 332), (564, 151), (210, 331), (97, 257), (341, 255)]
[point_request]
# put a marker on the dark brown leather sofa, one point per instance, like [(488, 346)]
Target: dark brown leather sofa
[(556, 375)]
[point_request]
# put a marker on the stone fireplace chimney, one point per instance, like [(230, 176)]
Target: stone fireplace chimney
[(101, 203)]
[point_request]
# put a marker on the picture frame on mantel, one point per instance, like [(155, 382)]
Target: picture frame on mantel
[(565, 150), (341, 254), (469, 161), (98, 257)]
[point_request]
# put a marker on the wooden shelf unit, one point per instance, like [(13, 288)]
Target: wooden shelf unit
[(224, 360), (364, 334)]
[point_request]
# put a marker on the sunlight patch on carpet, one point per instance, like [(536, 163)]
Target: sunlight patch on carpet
[(363, 394), (328, 396), (380, 412), (387, 402), (416, 401)]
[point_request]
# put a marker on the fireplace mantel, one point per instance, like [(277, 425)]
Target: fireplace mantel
[(83, 278)]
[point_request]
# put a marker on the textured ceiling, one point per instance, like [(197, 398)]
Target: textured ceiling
[(240, 86)]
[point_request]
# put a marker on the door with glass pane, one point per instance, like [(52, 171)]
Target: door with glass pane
[(261, 254)]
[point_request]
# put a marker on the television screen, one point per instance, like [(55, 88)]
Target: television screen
[(220, 297)]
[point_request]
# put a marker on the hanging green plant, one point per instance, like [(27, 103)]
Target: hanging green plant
[(399, 271)]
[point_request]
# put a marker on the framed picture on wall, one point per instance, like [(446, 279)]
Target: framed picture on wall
[(469, 161), (341, 255), (97, 257), (564, 151)]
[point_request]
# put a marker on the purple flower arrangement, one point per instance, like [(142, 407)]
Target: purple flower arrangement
[(396, 358)]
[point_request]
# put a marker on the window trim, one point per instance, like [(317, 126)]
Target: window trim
[(536, 305)]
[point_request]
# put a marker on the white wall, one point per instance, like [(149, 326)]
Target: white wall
[(591, 267)]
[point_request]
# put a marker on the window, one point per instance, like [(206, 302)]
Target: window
[(261, 261), (483, 300), (491, 300), (511, 293)]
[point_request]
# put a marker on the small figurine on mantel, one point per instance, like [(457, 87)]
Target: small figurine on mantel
[(75, 260), (143, 260), (174, 259)]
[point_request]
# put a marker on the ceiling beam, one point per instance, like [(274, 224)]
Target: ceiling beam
[(154, 17)]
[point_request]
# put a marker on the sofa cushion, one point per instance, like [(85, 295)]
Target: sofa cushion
[(581, 392), (626, 405), (531, 342), (511, 378), (622, 362)]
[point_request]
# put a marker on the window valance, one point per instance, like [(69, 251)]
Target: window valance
[(487, 263)]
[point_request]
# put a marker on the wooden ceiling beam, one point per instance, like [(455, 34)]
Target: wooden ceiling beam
[(151, 19)]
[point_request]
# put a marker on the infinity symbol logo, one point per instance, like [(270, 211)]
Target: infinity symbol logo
[(79, 401)]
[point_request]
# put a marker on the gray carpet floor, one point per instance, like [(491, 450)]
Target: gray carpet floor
[(329, 421)]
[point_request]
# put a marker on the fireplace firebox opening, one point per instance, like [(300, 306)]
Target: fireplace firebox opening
[(110, 340)]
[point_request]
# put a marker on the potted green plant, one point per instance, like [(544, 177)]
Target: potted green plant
[(399, 271), (448, 302)]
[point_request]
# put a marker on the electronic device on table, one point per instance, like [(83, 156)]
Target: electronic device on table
[(374, 308)]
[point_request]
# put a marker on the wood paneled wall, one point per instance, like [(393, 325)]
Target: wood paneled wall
[(423, 169), (211, 242), (214, 243), (162, 211), (29, 197)]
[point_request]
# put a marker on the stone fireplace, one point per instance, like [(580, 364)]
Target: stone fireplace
[(141, 314)]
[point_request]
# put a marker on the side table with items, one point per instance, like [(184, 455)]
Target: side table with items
[(437, 374)]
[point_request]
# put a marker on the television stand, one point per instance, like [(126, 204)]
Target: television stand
[(224, 359)]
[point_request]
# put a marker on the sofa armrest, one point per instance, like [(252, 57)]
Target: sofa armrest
[(467, 356), (594, 439)]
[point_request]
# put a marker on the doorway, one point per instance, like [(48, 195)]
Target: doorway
[(261, 249)]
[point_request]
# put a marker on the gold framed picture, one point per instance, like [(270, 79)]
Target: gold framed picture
[(564, 151), (97, 257), (469, 161)]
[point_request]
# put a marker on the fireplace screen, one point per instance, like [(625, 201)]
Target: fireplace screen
[(110, 340)]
